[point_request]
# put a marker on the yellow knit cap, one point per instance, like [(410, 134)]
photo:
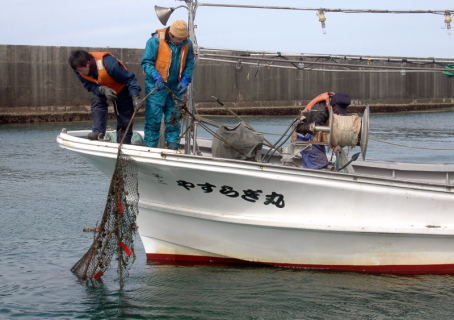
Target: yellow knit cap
[(179, 29)]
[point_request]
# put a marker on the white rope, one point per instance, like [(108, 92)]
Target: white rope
[(345, 130)]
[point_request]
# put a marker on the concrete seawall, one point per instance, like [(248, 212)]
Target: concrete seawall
[(37, 85)]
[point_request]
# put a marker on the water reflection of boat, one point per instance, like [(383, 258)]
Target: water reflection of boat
[(385, 217)]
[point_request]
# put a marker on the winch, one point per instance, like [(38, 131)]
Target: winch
[(345, 131)]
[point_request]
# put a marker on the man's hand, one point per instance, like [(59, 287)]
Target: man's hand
[(110, 94), (337, 150), (136, 102), (183, 85), (304, 114), (305, 128), (158, 82)]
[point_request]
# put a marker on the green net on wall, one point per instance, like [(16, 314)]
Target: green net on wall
[(449, 74)]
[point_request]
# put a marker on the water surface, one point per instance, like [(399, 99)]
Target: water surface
[(48, 195)]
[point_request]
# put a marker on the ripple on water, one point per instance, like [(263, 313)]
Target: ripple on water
[(49, 195)]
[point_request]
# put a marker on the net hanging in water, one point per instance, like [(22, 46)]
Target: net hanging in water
[(115, 234)]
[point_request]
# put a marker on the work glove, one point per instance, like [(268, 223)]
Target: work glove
[(110, 94), (305, 114), (183, 85), (136, 102), (305, 128), (158, 82)]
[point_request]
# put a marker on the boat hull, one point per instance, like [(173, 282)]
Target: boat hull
[(227, 242), (204, 209)]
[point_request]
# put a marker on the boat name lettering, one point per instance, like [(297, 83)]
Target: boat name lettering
[(229, 192), (248, 195), (251, 195), (159, 178)]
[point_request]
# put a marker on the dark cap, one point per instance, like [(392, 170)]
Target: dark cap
[(341, 100)]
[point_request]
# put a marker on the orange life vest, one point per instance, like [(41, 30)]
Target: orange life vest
[(164, 58), (104, 79), (320, 98)]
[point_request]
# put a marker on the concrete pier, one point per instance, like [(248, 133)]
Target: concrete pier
[(38, 85)]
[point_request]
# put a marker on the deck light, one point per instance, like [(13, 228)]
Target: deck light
[(448, 20), (322, 19), (165, 13)]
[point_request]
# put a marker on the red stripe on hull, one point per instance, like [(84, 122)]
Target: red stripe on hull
[(175, 259), (172, 259)]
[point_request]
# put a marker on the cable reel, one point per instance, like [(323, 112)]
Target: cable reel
[(349, 131)]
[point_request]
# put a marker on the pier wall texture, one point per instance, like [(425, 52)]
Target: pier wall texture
[(38, 85)]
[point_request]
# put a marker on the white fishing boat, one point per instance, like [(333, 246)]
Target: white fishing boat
[(199, 204), (385, 217)]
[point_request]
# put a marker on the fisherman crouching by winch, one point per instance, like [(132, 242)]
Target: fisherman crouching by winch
[(315, 158), (168, 63), (108, 79)]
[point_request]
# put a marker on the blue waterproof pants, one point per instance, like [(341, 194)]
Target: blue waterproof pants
[(158, 104), (314, 158)]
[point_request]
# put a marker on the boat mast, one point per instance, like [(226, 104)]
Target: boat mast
[(188, 121)]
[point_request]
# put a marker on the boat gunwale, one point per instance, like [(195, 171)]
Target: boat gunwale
[(107, 149)]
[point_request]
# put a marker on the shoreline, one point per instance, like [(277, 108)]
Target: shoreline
[(83, 113)]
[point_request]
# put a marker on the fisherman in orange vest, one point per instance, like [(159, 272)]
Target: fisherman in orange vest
[(315, 158), (168, 61), (108, 79)]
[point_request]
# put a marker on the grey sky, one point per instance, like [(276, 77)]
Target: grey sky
[(128, 24)]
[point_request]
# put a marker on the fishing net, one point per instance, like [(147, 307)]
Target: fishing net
[(342, 163), (136, 138), (449, 74), (239, 142), (115, 234)]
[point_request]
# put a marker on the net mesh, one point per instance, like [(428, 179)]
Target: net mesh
[(116, 231), (239, 142)]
